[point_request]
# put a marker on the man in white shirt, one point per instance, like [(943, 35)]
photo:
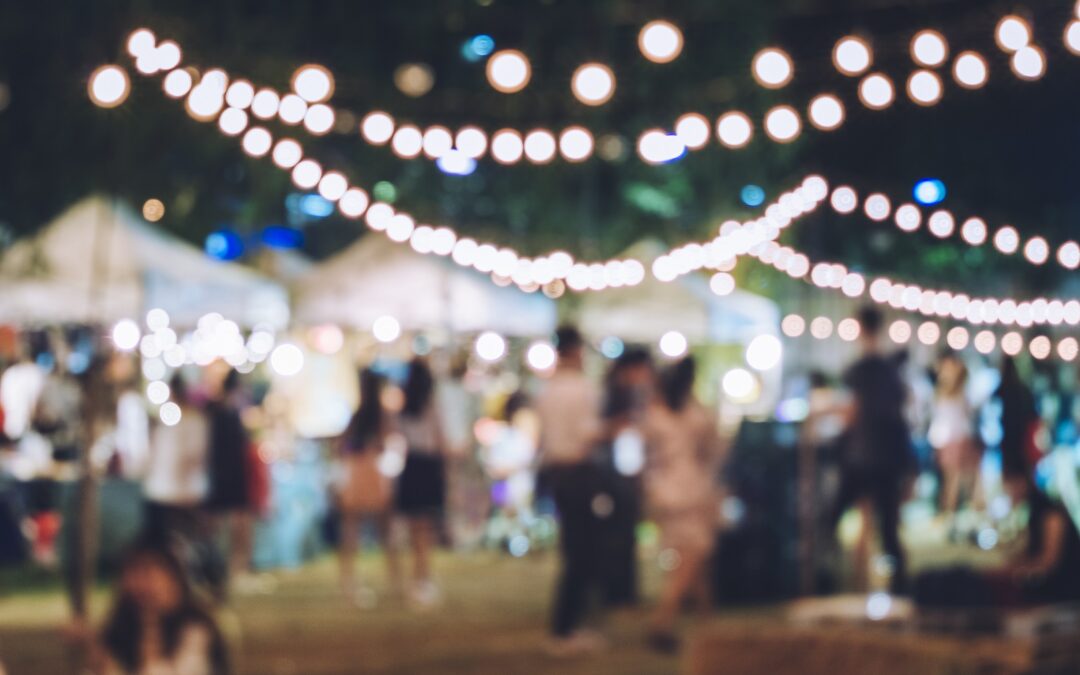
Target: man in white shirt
[(570, 429)]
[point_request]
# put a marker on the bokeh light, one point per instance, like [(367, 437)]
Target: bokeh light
[(876, 91), (660, 41), (673, 344), (153, 209), (772, 68), (313, 83), (826, 112), (287, 359), (490, 346), (764, 352), (593, 84), (508, 71), (970, 70), (386, 329), (852, 56), (928, 48), (109, 86)]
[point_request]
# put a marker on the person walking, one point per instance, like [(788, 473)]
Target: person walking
[(683, 454), (365, 490), (568, 408), (1019, 418), (421, 493), (877, 460)]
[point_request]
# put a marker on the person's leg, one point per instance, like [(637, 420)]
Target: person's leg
[(421, 535), (861, 551), (347, 544), (385, 526), (679, 584), (242, 526), (573, 504), (887, 504)]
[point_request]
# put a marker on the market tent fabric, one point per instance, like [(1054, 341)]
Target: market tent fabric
[(377, 277), (645, 312), (99, 262)]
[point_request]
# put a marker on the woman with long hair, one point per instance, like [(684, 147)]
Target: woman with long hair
[(682, 446), (952, 434), (156, 625), (422, 485), (365, 490)]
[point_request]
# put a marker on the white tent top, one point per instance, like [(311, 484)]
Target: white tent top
[(377, 277), (645, 312), (99, 262)]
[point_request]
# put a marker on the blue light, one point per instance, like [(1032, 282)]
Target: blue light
[(277, 236), (929, 192), (611, 347), (477, 47), (752, 195), (224, 245), (316, 206), (456, 163)]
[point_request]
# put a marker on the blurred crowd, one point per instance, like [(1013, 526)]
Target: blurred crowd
[(421, 463)]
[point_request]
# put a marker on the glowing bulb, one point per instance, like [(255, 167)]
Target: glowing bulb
[(740, 385), (306, 174), (722, 283), (1068, 349), (168, 55), (437, 142), (292, 109), (673, 344), (821, 327), (1037, 251), (656, 147), (848, 329), (734, 129), (764, 352), (957, 338), (1007, 240), (377, 128), (908, 217), (287, 153), (1072, 37), (240, 94), (1069, 255), (772, 68), (826, 112), (973, 231), (507, 146), (693, 130), (900, 331), (782, 124), (508, 71), (141, 41), (876, 91), (353, 203), (1040, 347), (233, 121), (319, 119), (153, 210), (877, 207), (660, 41), (125, 335), (157, 392), (386, 329), (576, 144), (472, 142), (970, 70), (793, 325), (490, 346), (1012, 33), (852, 56), (593, 84), (1028, 63), (265, 104), (929, 333), (924, 87), (332, 186), (287, 359), (941, 224), (313, 83), (541, 356), (540, 146), (109, 86), (408, 141), (928, 48), (170, 414), (844, 199), (177, 84)]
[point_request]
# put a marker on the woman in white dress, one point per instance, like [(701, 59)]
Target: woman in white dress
[(952, 434), (682, 457)]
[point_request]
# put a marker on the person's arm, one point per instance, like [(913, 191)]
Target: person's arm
[(1053, 539)]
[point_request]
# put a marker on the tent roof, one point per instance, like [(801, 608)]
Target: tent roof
[(645, 312), (98, 261), (376, 277)]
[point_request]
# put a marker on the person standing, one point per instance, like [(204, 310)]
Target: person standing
[(952, 434), (1019, 418), (176, 481), (683, 452), (364, 490), (421, 493), (229, 498), (877, 459), (568, 408)]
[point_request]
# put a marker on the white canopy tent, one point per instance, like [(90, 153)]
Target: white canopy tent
[(99, 262), (376, 277), (645, 312)]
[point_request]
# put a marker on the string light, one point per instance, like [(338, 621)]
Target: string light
[(852, 56), (876, 91), (1012, 33), (109, 86), (969, 70), (826, 112), (177, 84), (1028, 63), (660, 41), (772, 68), (734, 129), (508, 71), (313, 83), (928, 48), (593, 84), (782, 124), (924, 87)]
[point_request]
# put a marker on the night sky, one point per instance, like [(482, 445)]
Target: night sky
[(1007, 152)]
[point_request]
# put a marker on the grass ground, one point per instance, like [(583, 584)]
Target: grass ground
[(492, 620)]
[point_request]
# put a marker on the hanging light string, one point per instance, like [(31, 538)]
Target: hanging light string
[(594, 83)]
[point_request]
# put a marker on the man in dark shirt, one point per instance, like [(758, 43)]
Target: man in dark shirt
[(877, 458)]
